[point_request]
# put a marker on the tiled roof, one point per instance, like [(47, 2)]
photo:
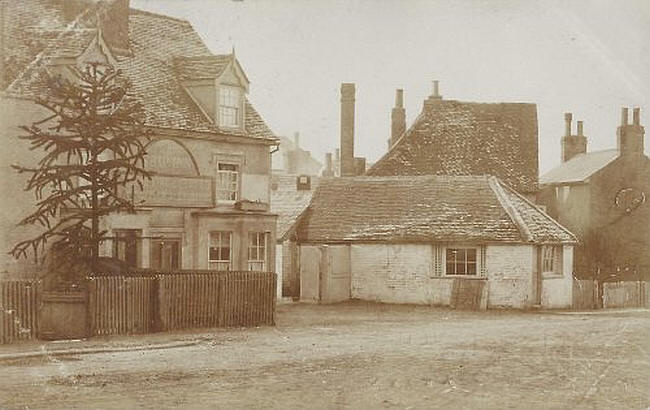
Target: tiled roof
[(154, 40), (288, 202), (425, 208), (579, 168), (202, 67), (466, 138)]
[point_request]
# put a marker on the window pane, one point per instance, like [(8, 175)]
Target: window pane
[(471, 268)]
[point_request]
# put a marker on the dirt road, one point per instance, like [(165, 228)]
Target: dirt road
[(363, 356)]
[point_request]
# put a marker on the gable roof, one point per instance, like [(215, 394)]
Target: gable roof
[(288, 202), (201, 67), (425, 208), (155, 41), (466, 138), (579, 168)]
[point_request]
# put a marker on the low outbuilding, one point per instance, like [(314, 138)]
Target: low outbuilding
[(464, 241)]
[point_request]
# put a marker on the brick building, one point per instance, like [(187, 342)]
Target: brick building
[(602, 197), (207, 206), (432, 240)]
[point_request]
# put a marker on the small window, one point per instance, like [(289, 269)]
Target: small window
[(220, 251), (229, 106), (257, 251), (552, 259), (460, 261), (227, 182)]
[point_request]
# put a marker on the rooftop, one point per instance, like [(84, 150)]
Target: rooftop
[(579, 168), (467, 138), (288, 202), (164, 51), (425, 208)]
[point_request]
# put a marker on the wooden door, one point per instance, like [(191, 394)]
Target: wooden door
[(165, 254)]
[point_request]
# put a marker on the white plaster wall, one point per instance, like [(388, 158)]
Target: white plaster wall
[(509, 269), (557, 290)]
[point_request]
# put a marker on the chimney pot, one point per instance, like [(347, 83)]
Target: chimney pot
[(568, 117), (636, 116), (399, 98), (580, 128), (624, 116), (436, 88)]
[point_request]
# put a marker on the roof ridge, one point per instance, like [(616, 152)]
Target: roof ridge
[(164, 16), (544, 214), (510, 209)]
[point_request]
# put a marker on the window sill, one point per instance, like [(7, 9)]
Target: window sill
[(463, 276), (552, 275)]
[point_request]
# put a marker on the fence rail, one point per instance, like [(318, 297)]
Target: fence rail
[(18, 310)]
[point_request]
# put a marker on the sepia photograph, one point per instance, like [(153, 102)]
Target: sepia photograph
[(324, 204)]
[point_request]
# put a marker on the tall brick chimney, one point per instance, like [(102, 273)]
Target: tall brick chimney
[(397, 118), (110, 16), (347, 129), (572, 145), (630, 136)]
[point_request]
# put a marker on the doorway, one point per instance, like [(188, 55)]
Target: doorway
[(165, 254)]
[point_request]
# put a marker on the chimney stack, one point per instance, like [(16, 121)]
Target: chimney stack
[(398, 118), (347, 129), (573, 145), (568, 117), (296, 141), (630, 136), (436, 90), (329, 169)]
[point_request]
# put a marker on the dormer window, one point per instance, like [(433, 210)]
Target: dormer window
[(229, 106)]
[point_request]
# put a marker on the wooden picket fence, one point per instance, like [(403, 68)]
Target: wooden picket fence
[(626, 294), (120, 305), (585, 294), (144, 304), (18, 310)]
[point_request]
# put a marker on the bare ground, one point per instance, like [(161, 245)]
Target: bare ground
[(359, 355)]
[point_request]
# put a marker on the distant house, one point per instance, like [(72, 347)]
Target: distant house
[(292, 159), (442, 240), (464, 138), (290, 195), (602, 196), (207, 207)]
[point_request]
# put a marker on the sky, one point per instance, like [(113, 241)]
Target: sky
[(586, 57)]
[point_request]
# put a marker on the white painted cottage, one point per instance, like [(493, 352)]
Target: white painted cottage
[(465, 241)]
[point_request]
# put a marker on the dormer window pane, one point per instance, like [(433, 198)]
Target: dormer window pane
[(229, 106)]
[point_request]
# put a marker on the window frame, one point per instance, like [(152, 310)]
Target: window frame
[(476, 263), (257, 245), (551, 255), (232, 102), (237, 181), (230, 253)]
